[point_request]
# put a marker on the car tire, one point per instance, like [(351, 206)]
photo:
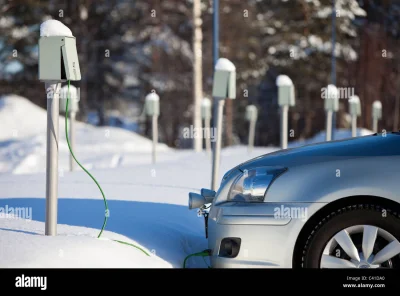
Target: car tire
[(351, 217)]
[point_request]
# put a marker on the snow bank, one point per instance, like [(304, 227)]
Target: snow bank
[(283, 80), (24, 245), (54, 28), (23, 142), (225, 65)]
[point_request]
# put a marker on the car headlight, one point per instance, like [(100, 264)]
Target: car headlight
[(252, 185)]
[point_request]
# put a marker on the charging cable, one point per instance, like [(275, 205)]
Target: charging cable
[(203, 254), (107, 212)]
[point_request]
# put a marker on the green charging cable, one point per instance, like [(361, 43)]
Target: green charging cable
[(203, 254), (93, 178)]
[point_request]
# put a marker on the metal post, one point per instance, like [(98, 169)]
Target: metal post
[(207, 126), (72, 116), (284, 126), (52, 92), (375, 124), (329, 125), (354, 126), (333, 73), (217, 145), (252, 128), (155, 136)]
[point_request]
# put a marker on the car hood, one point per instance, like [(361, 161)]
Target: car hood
[(367, 146)]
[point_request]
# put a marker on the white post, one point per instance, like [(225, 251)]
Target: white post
[(252, 128), (206, 116), (329, 115), (155, 137), (197, 72), (355, 111), (331, 104), (52, 91), (284, 126), (72, 117), (376, 114), (207, 126), (251, 116), (217, 145)]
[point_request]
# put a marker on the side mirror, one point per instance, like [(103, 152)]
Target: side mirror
[(196, 200)]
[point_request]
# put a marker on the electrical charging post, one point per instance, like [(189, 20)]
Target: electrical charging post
[(206, 116), (376, 114), (251, 117), (152, 106), (286, 99), (58, 62), (331, 105), (224, 87), (355, 111), (73, 108)]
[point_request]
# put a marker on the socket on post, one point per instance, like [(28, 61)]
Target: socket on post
[(152, 107), (376, 114), (224, 87), (251, 117), (355, 111), (58, 62), (331, 105), (286, 99)]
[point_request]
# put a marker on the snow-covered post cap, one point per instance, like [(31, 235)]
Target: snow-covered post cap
[(73, 105), (355, 106), (331, 96), (377, 110), (58, 56), (251, 113), (152, 104), (224, 84), (285, 91), (54, 28), (206, 108)]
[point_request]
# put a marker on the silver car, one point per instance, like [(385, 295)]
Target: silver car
[(328, 205)]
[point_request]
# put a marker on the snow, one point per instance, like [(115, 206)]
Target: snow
[(54, 28), (354, 100), (224, 64), (152, 97), (283, 80), (23, 142), (147, 202)]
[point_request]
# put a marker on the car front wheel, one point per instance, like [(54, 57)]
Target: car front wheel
[(358, 236)]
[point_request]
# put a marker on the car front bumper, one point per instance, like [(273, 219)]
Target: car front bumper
[(265, 240)]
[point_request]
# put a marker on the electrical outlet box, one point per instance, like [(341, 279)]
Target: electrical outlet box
[(286, 95), (224, 84), (251, 113), (152, 104), (331, 104), (377, 110), (58, 59), (355, 108)]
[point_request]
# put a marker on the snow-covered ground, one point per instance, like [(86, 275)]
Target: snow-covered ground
[(147, 203)]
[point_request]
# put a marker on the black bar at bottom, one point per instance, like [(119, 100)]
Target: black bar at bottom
[(134, 280)]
